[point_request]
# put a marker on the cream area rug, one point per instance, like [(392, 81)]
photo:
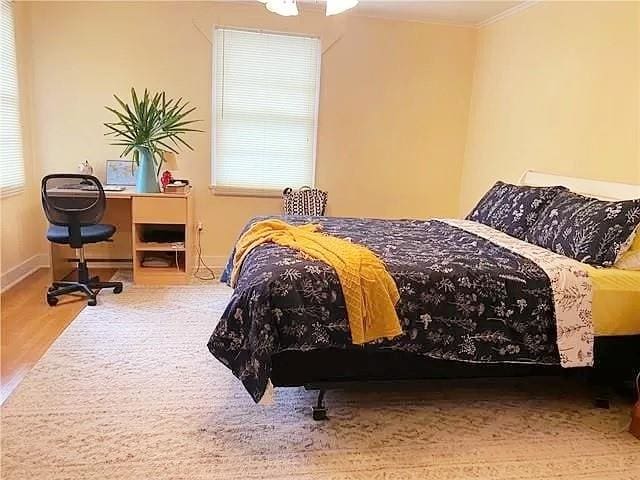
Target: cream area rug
[(129, 391)]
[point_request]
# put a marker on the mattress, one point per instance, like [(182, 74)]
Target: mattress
[(616, 301)]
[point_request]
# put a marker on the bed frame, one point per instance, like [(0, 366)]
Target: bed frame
[(611, 191), (617, 359)]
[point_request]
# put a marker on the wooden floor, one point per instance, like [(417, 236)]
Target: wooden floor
[(30, 326)]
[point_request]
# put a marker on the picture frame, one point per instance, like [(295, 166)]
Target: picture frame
[(121, 173)]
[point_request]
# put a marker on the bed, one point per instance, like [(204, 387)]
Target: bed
[(474, 301)]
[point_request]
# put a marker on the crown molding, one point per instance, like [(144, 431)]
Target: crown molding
[(316, 7), (507, 13), (319, 9)]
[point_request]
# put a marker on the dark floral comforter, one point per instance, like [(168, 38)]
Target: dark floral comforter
[(463, 298)]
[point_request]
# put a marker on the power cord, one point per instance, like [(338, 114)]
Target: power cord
[(176, 246), (210, 273)]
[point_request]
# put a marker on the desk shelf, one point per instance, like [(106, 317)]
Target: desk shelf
[(174, 273), (162, 270), (153, 247), (169, 219)]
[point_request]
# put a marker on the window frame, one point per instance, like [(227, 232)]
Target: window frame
[(232, 191), (16, 189)]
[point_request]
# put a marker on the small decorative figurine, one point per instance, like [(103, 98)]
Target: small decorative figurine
[(85, 168), (166, 179)]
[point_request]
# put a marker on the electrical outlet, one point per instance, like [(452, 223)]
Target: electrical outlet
[(200, 226)]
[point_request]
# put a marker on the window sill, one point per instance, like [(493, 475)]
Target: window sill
[(244, 192)]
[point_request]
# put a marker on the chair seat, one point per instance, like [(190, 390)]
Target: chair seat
[(89, 233)]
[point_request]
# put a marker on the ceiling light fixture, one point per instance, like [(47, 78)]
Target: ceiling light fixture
[(286, 8), (335, 7), (289, 8)]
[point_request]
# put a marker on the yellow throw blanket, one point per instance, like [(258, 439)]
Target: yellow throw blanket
[(369, 291)]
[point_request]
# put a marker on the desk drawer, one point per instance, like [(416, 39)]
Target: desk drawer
[(159, 210)]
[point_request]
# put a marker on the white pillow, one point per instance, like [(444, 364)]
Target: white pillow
[(630, 259)]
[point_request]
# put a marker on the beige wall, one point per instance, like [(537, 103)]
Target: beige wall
[(557, 89), (21, 222), (393, 104), (553, 88)]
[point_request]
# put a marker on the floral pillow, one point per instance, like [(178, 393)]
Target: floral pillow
[(586, 229), (513, 209)]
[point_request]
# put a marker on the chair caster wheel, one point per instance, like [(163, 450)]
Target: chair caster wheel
[(52, 301), (117, 289), (319, 414), (92, 302)]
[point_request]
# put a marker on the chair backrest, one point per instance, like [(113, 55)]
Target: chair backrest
[(73, 200)]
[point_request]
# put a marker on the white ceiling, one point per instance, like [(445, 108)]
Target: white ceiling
[(455, 12)]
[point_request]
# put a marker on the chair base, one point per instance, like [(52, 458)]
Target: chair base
[(88, 286)]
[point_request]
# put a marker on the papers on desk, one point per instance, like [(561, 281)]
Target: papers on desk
[(92, 188)]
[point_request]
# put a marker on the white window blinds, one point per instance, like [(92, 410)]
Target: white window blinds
[(11, 161), (265, 108)]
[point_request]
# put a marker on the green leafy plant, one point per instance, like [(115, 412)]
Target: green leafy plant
[(151, 122)]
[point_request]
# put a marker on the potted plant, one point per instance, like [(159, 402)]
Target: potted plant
[(149, 127)]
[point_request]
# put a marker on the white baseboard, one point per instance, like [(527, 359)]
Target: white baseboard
[(93, 264), (9, 278), (20, 272), (215, 262)]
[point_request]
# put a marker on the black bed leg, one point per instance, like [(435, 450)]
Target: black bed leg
[(602, 397), (601, 388), (319, 410)]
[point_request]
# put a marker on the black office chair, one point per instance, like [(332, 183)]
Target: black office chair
[(74, 205)]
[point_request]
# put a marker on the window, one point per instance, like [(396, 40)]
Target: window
[(265, 110), (11, 162)]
